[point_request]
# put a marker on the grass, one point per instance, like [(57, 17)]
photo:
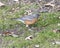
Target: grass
[(47, 22)]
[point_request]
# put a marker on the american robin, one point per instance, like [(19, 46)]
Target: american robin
[(29, 19)]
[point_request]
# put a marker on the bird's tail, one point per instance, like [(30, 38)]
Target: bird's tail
[(18, 19)]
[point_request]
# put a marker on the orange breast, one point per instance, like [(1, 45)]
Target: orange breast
[(28, 22)]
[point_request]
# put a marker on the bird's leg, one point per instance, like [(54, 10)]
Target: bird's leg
[(27, 25)]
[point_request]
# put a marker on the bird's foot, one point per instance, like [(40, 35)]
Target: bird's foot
[(27, 25)]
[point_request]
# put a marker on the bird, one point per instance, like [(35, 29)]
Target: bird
[(29, 19)]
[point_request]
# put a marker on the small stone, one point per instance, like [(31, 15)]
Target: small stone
[(14, 35), (58, 24), (18, 7), (13, 8), (0, 34), (37, 46), (1, 4), (30, 29), (24, 47), (16, 0), (49, 4), (29, 37), (40, 0), (10, 12), (54, 30), (57, 42), (53, 43), (59, 17)]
